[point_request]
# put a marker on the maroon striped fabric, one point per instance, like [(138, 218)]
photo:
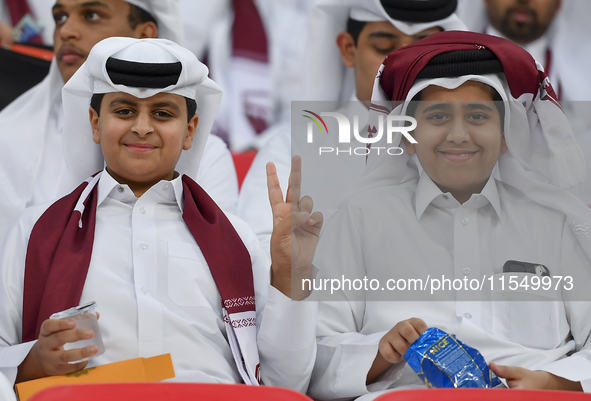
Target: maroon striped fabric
[(59, 252), (222, 247), (248, 32)]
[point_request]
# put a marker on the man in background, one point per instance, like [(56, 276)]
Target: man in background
[(33, 166), (527, 23), (348, 40)]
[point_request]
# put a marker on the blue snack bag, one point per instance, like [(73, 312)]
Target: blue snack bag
[(441, 360)]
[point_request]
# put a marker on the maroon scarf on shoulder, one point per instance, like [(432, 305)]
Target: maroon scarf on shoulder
[(60, 249)]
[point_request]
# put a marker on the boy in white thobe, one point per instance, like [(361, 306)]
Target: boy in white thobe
[(34, 164), (348, 42), (147, 240), (448, 213)]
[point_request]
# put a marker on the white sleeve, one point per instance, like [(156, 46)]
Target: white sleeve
[(345, 353), (575, 263), (6, 391), (11, 357), (12, 271), (287, 341), (253, 202), (286, 337), (217, 174)]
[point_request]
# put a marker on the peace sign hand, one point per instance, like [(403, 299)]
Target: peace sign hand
[(295, 232)]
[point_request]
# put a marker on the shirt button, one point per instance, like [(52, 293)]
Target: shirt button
[(445, 197), (466, 271), (464, 221), (166, 186), (120, 188), (468, 315), (143, 245), (142, 210), (145, 290)]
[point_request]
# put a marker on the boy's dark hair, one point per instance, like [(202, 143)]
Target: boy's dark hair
[(414, 103), (354, 28), (138, 16), (97, 99)]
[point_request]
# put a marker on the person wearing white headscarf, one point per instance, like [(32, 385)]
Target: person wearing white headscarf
[(531, 25), (32, 155), (328, 76), (258, 89), (169, 270), (551, 31), (402, 224), (571, 57), (563, 47)]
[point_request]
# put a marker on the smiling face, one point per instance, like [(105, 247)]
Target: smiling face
[(522, 21), (376, 40), (142, 139), (80, 24), (459, 137)]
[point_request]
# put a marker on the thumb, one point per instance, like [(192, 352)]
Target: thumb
[(505, 372)]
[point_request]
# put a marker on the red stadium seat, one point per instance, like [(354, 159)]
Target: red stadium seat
[(469, 394), (167, 392), (242, 162)]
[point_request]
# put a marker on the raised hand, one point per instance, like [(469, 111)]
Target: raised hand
[(295, 232)]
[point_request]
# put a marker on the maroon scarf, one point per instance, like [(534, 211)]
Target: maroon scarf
[(249, 41), (60, 248), (402, 66), (17, 9)]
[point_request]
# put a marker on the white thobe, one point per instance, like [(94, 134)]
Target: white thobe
[(208, 29), (324, 178), (253, 200), (156, 294), (413, 230), (32, 162), (6, 391)]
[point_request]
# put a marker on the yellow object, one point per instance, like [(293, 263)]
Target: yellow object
[(132, 370)]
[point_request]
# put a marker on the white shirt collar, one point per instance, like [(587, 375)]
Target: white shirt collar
[(108, 187), (429, 193)]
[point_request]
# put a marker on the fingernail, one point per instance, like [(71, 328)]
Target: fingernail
[(93, 349), (71, 324), (88, 333)]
